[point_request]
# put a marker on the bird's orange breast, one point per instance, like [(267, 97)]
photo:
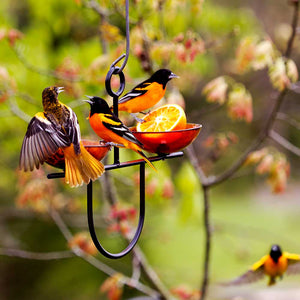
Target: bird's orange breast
[(273, 269)]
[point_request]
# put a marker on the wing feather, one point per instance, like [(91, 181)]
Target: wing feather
[(41, 141), (115, 125), (249, 277), (255, 273), (137, 91)]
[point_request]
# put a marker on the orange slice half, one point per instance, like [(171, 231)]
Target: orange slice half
[(164, 118)]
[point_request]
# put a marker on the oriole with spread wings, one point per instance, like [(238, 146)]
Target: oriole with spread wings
[(57, 127), (273, 265)]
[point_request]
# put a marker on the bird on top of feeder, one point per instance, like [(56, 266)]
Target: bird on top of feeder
[(273, 265), (147, 93), (111, 129), (53, 129)]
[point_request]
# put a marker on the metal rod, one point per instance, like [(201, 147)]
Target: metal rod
[(127, 39), (140, 223), (125, 164)]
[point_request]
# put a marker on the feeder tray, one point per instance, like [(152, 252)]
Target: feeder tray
[(96, 148), (166, 142)]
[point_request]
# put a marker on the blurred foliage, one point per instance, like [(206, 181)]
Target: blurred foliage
[(67, 43)]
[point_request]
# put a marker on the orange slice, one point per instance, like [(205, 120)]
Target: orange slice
[(164, 118)]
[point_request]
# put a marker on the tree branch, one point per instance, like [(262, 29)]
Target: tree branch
[(95, 262), (43, 72), (284, 142), (205, 280), (36, 255), (195, 163), (214, 180), (284, 117)]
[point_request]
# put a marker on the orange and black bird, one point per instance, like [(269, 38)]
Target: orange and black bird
[(110, 128), (146, 94), (53, 129), (273, 265)]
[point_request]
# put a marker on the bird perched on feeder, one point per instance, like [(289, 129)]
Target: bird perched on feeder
[(110, 128), (273, 265), (53, 129), (146, 94)]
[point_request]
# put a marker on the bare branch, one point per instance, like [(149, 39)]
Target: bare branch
[(97, 263), (195, 163), (36, 255), (294, 29), (17, 111), (150, 273), (284, 142), (103, 13), (205, 280), (284, 117), (43, 72)]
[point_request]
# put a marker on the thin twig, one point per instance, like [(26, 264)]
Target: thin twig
[(284, 142), (294, 29), (17, 111), (214, 180), (104, 14), (206, 216), (284, 117), (43, 72), (194, 161), (95, 262), (36, 255), (151, 274)]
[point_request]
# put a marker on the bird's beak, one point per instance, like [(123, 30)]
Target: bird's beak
[(172, 75), (60, 89), (89, 101)]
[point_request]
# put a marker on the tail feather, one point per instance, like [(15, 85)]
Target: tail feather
[(146, 159), (81, 168)]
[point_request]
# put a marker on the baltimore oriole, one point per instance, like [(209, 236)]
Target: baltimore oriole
[(111, 129), (53, 129), (274, 265), (146, 94)]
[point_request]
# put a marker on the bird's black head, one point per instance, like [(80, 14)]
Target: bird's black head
[(162, 76), (50, 95), (98, 105), (275, 253)]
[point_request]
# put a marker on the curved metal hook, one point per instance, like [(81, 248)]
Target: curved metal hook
[(114, 70), (140, 223)]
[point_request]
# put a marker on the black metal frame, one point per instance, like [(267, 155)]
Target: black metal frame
[(114, 70)]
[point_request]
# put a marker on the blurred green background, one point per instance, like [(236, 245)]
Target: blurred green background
[(62, 38)]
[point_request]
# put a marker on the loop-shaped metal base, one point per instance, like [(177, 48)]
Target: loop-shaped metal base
[(140, 223), (90, 217)]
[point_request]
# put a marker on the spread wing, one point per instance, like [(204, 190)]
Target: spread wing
[(113, 123), (72, 129), (254, 274), (137, 91), (42, 140), (293, 263)]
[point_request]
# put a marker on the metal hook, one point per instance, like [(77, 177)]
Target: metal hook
[(140, 223)]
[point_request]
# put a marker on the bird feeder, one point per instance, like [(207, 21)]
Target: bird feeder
[(165, 144)]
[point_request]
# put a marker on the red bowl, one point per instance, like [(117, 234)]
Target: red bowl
[(96, 148), (167, 141)]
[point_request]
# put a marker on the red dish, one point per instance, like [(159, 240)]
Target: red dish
[(168, 141), (96, 148)]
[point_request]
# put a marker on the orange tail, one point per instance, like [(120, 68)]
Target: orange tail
[(81, 168), (146, 159)]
